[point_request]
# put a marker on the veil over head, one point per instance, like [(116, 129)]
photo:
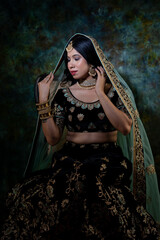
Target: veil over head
[(135, 145)]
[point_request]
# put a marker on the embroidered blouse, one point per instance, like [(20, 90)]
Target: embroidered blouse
[(79, 116)]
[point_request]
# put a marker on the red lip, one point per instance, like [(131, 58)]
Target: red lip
[(73, 72)]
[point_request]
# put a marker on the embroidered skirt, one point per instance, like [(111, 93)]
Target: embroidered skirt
[(85, 195)]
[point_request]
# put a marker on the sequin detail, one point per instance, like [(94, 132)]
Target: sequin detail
[(78, 103)]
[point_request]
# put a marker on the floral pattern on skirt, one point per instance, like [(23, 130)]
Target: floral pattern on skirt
[(84, 196)]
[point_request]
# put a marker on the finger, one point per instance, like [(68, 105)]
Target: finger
[(48, 77), (51, 78), (97, 71), (101, 70)]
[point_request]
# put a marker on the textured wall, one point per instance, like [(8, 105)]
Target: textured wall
[(33, 34)]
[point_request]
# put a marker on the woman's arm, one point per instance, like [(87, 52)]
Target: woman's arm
[(118, 119), (50, 129)]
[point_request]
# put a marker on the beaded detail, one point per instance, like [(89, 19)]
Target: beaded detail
[(78, 103)]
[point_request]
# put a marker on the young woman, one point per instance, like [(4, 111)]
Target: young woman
[(101, 174)]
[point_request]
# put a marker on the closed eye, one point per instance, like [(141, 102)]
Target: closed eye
[(76, 57)]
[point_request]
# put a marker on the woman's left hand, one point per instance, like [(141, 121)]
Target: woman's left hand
[(101, 80)]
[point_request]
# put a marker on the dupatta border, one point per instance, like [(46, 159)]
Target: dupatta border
[(139, 182)]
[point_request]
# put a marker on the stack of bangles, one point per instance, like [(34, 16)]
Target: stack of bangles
[(44, 110)]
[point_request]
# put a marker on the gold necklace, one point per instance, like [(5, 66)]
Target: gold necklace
[(87, 84), (86, 87)]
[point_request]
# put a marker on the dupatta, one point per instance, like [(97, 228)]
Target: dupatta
[(135, 146)]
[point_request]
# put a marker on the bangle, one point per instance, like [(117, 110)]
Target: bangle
[(46, 115), (43, 105), (44, 110)]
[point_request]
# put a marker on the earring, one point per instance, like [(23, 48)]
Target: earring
[(92, 71)]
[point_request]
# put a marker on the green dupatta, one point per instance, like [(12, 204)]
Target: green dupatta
[(135, 145)]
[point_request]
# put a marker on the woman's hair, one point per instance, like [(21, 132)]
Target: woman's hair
[(84, 46)]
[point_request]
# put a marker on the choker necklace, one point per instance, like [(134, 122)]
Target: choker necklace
[(87, 84)]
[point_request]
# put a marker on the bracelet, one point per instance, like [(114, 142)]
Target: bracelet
[(44, 110), (43, 105), (46, 115)]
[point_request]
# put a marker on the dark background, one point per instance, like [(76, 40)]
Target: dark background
[(32, 37)]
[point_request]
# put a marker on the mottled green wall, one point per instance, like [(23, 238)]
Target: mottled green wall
[(33, 34)]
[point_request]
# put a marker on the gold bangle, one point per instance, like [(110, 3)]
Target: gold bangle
[(44, 110), (43, 105), (46, 115)]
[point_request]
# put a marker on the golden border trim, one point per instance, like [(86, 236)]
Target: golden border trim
[(151, 169), (139, 183)]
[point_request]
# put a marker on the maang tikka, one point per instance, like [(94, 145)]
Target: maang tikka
[(69, 47)]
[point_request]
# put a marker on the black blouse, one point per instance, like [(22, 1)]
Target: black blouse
[(79, 116)]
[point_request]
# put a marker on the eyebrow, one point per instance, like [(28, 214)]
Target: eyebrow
[(74, 55)]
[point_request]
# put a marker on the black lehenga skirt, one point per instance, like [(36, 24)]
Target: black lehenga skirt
[(84, 196)]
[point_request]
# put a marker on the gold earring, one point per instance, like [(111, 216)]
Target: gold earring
[(92, 71), (69, 47)]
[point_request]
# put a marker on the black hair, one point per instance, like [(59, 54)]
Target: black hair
[(84, 46)]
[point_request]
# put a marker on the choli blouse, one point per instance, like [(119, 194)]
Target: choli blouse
[(79, 116)]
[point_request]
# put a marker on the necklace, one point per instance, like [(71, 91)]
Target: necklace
[(87, 84), (85, 87)]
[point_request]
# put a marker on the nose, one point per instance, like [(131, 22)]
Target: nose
[(71, 64)]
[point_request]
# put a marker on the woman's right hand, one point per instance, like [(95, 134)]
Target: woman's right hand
[(44, 87)]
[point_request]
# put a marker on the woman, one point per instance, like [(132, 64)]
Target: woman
[(90, 119)]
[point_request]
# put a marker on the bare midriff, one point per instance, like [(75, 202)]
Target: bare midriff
[(91, 137)]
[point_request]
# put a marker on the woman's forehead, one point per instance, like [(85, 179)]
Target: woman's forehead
[(72, 53)]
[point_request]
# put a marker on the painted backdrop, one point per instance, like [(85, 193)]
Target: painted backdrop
[(33, 35)]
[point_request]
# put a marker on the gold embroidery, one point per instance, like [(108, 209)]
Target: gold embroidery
[(63, 158), (101, 116), (64, 203), (72, 109), (139, 183), (91, 126), (80, 116), (111, 92), (105, 159), (124, 164), (137, 113), (70, 118), (150, 169)]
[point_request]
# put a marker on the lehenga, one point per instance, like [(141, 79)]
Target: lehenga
[(85, 194), (94, 191)]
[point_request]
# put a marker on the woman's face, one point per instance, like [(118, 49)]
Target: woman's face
[(77, 65)]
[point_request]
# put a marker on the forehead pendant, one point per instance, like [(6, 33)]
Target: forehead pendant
[(69, 47)]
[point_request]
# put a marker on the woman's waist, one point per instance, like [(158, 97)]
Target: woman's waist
[(91, 137)]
